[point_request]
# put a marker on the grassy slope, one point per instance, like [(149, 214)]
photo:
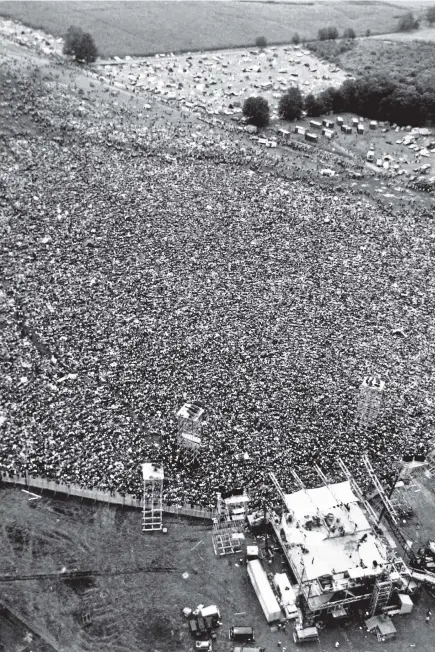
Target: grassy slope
[(150, 27), (408, 62), (411, 63)]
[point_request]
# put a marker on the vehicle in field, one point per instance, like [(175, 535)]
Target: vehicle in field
[(305, 635), (243, 634)]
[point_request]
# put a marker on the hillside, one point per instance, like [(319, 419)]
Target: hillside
[(121, 28)]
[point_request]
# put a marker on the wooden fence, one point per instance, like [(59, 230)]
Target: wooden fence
[(97, 495)]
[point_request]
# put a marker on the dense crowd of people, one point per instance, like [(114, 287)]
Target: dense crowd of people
[(151, 262)]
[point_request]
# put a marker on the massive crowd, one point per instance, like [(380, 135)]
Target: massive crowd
[(149, 262)]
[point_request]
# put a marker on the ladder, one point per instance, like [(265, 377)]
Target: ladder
[(151, 507), (380, 596)]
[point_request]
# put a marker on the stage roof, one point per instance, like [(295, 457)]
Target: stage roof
[(347, 544), (307, 502)]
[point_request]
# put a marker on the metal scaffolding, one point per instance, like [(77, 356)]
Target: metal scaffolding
[(153, 477), (370, 400), (189, 422), (228, 526), (380, 596)]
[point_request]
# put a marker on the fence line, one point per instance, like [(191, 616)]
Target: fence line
[(97, 495)]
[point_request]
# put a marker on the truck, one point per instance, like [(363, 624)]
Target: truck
[(264, 592)]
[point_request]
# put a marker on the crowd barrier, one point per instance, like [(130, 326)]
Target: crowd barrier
[(97, 495)]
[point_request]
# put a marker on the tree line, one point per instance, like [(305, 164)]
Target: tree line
[(375, 97)]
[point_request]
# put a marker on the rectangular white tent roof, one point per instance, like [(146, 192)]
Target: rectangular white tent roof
[(152, 472)]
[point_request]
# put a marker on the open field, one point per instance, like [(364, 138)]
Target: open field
[(410, 63), (140, 28), (140, 611)]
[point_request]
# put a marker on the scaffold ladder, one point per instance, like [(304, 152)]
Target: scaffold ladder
[(356, 489), (152, 506), (380, 596), (381, 492)]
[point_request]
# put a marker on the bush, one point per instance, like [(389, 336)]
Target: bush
[(330, 50), (256, 109), (80, 45), (368, 32), (430, 15), (295, 40), (261, 42), (349, 33), (291, 104), (406, 23)]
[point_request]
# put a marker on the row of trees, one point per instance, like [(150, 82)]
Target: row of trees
[(331, 33), (378, 98)]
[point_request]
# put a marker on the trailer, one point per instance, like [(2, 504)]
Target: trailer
[(264, 592), (315, 124), (327, 133), (373, 124), (346, 129), (340, 121), (328, 123), (360, 129), (313, 138)]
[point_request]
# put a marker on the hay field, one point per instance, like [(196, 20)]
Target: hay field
[(140, 28)]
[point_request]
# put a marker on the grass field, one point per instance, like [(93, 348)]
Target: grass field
[(140, 28), (408, 62)]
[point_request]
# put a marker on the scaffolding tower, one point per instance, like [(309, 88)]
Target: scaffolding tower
[(189, 422), (153, 476), (380, 596), (228, 526), (370, 400)]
